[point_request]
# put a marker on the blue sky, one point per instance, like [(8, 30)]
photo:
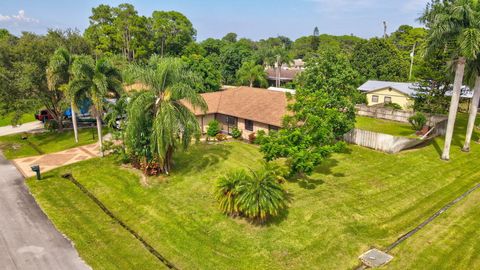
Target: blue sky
[(254, 19)]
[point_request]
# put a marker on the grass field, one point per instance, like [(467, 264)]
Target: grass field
[(354, 201), (7, 120), (13, 146), (385, 126)]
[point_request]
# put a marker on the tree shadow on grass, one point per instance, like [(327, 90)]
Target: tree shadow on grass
[(306, 182), (201, 157)]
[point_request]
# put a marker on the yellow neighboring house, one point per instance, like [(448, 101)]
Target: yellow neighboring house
[(381, 92)]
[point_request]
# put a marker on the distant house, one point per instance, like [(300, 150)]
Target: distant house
[(382, 92), (245, 108), (285, 74)]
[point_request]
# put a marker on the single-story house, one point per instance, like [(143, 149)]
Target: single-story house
[(282, 74), (248, 109), (382, 92)]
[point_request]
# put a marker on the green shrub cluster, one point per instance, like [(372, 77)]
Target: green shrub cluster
[(418, 121)]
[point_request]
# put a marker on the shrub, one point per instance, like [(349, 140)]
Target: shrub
[(236, 133), (221, 137), (51, 125), (394, 106), (418, 121), (260, 137), (256, 196), (213, 128)]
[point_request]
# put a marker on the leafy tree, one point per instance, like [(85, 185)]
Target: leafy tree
[(158, 122), (205, 69), (173, 31), (379, 59), (230, 37), (95, 81), (212, 46), (322, 113), (251, 73), (257, 196), (453, 26), (231, 59), (118, 30)]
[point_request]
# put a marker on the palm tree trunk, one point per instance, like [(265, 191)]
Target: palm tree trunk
[(473, 115), (452, 113), (74, 122), (99, 130)]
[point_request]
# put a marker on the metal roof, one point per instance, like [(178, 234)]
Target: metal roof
[(370, 86)]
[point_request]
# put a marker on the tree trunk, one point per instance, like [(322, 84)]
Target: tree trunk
[(473, 115), (251, 83), (452, 113), (74, 122), (99, 130)]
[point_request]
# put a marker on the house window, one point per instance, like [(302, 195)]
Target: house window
[(272, 128), (249, 125), (374, 98), (387, 100)]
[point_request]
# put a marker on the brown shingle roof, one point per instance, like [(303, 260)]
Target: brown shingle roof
[(260, 105), (285, 74)]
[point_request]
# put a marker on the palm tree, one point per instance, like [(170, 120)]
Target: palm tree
[(473, 75), (159, 121), (454, 27), (59, 76), (95, 81), (251, 73), (275, 57)]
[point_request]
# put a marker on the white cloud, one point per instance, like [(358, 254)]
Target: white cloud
[(18, 18)]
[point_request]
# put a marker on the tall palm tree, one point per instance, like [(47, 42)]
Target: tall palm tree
[(59, 76), (454, 27), (159, 122), (95, 81), (251, 73), (473, 75)]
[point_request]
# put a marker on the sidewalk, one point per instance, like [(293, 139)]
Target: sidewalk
[(52, 161)]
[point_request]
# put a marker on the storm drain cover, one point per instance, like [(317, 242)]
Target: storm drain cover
[(375, 258)]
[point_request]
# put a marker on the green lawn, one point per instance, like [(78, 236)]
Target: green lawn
[(7, 120), (13, 146), (384, 126), (354, 201)]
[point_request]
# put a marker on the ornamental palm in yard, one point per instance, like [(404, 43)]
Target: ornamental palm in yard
[(59, 76), (158, 122), (455, 28), (256, 196), (96, 81)]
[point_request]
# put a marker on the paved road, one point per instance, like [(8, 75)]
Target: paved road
[(8, 130), (28, 240)]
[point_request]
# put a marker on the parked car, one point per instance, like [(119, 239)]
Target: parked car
[(43, 116)]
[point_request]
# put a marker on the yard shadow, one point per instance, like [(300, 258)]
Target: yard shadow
[(201, 156), (275, 221), (306, 182)]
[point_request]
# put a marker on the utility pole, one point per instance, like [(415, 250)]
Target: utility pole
[(412, 56), (384, 29)]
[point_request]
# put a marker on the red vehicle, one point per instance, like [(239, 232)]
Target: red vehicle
[(43, 116)]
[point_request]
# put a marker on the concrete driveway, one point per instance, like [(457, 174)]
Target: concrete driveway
[(9, 130), (28, 240)]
